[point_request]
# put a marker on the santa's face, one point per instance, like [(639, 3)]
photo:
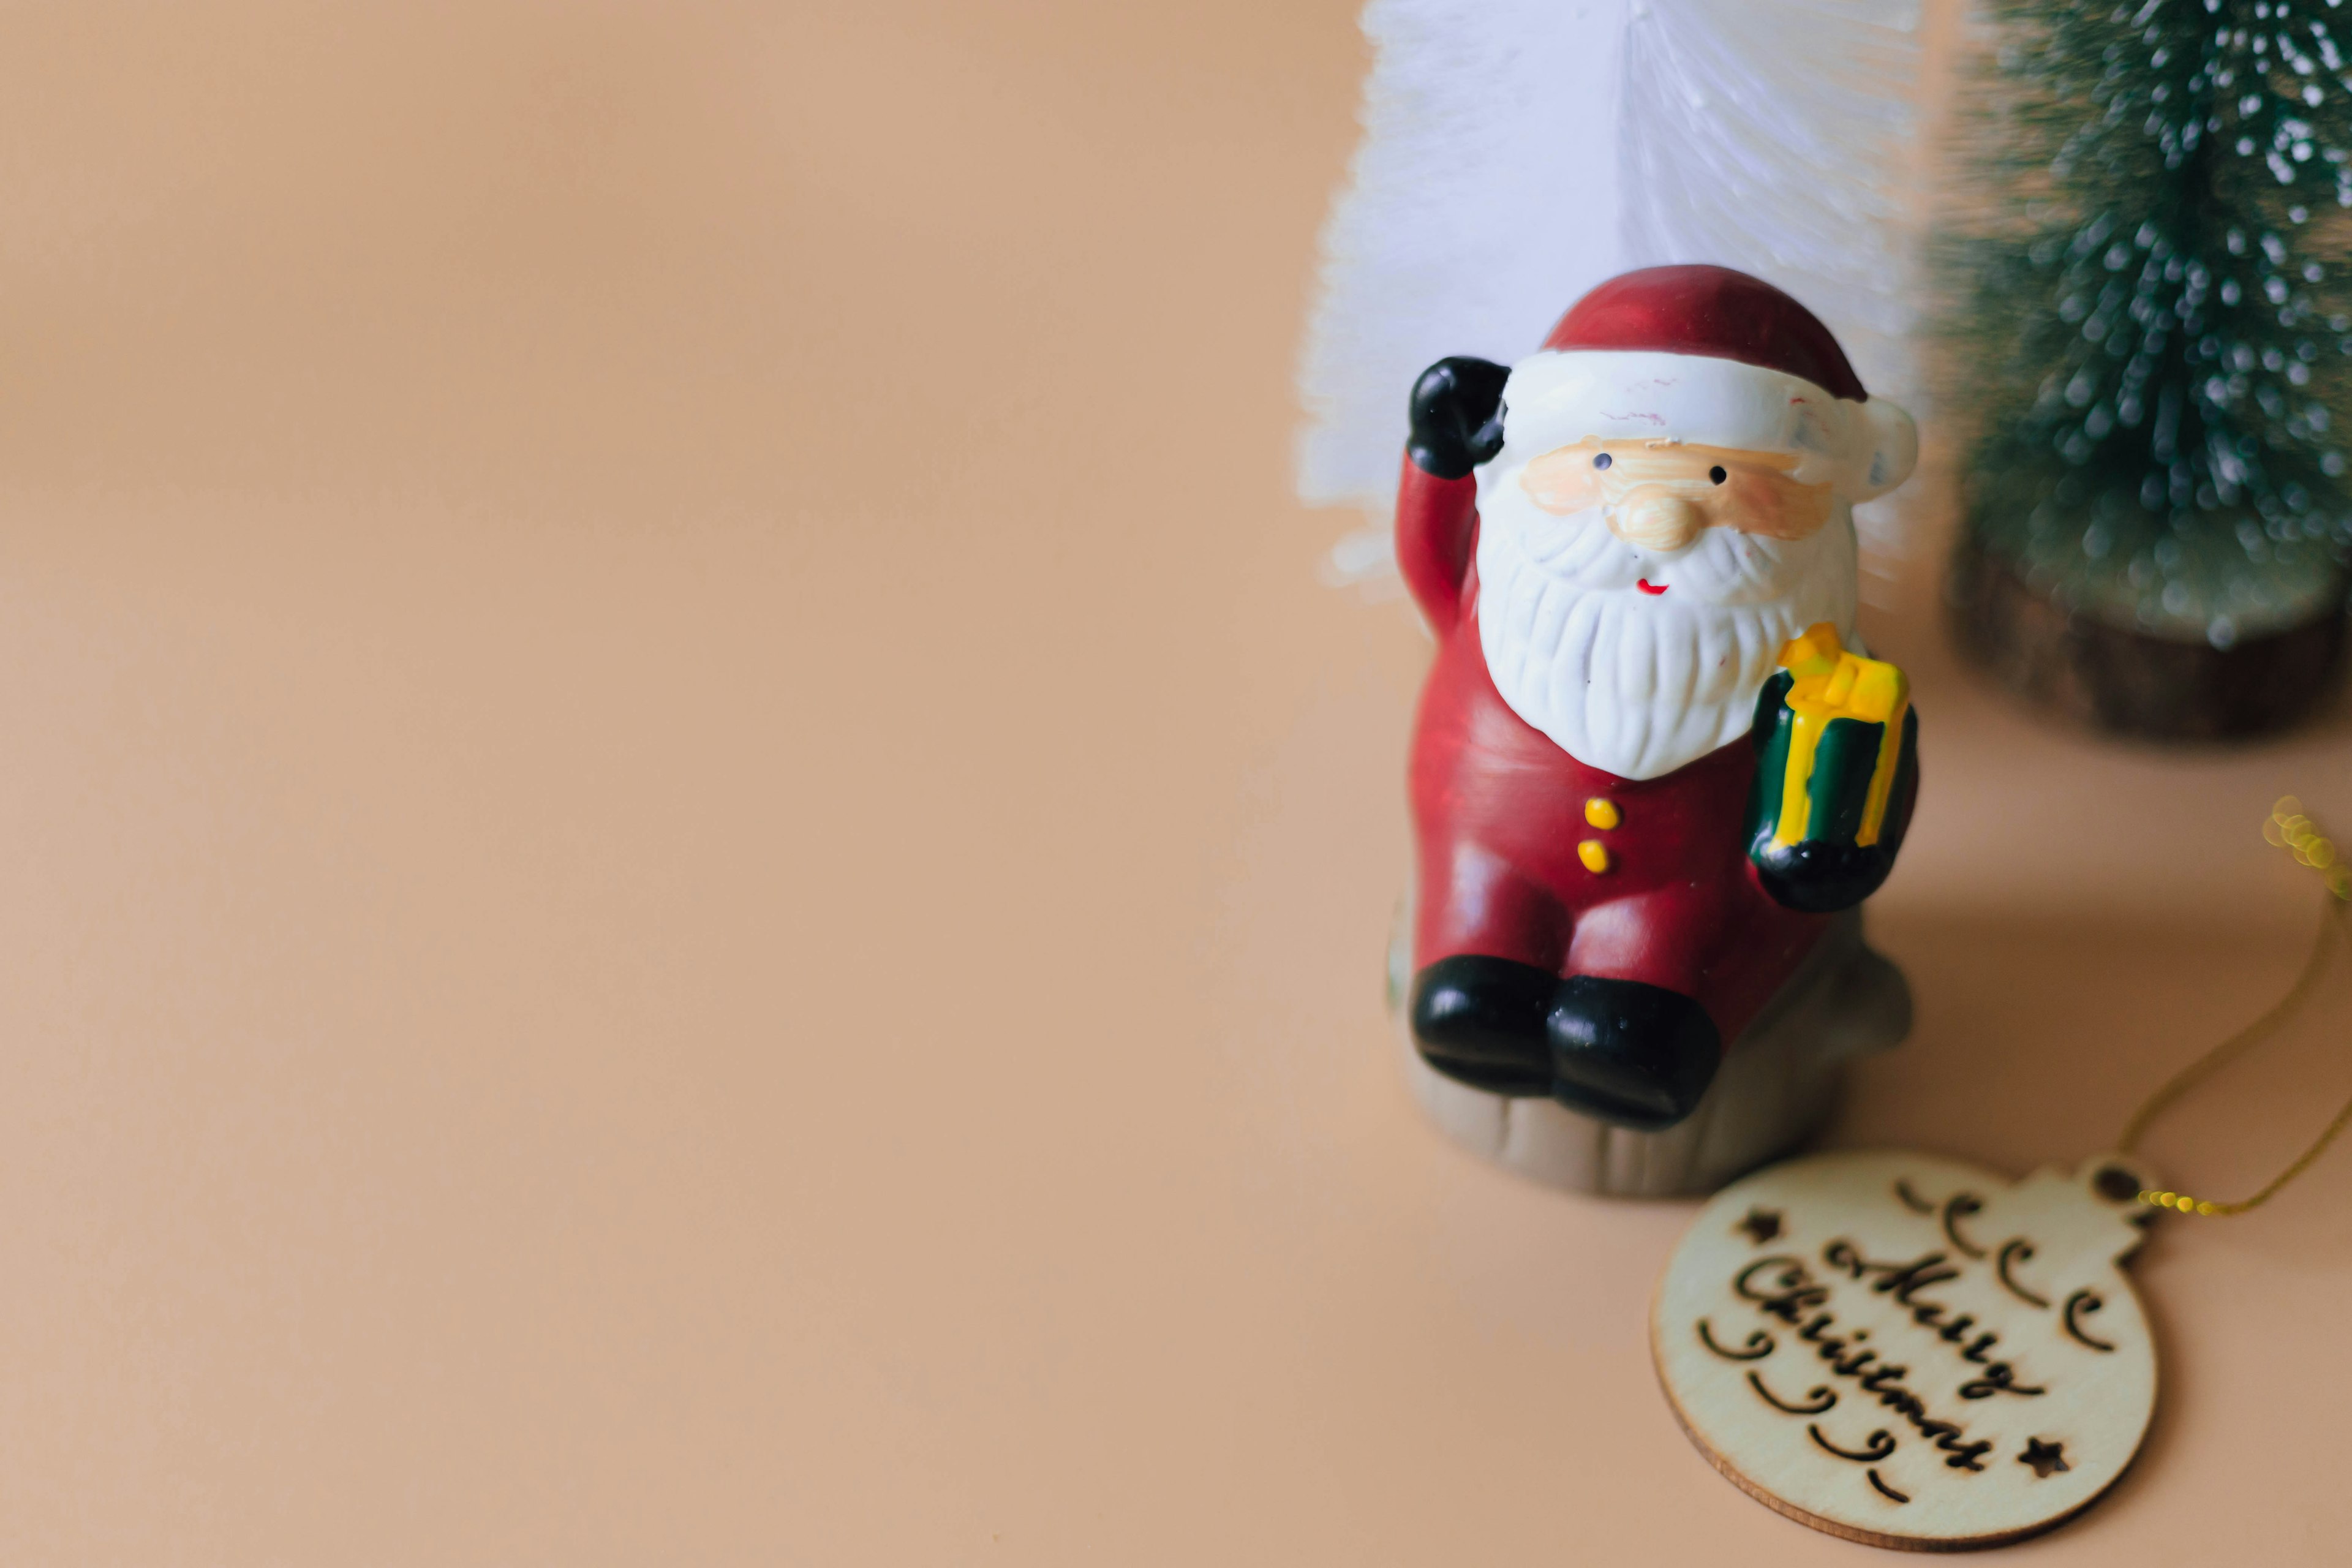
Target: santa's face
[(1634, 594), (1661, 495)]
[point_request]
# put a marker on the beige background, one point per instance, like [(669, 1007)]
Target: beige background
[(696, 875)]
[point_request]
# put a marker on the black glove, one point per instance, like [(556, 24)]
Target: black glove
[(1457, 416)]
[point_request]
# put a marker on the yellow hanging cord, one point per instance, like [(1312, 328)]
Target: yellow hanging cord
[(2290, 829)]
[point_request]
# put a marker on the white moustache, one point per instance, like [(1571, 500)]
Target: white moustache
[(1634, 682), (1722, 566)]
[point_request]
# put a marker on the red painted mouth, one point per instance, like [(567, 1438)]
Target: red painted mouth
[(1648, 587)]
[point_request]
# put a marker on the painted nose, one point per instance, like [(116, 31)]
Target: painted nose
[(1655, 518)]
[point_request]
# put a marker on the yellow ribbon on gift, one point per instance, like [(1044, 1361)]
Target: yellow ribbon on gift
[(1831, 683)]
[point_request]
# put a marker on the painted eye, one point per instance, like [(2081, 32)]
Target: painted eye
[(1718, 475), (1603, 460)]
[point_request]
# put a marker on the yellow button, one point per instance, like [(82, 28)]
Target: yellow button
[(1601, 812), (1595, 854)]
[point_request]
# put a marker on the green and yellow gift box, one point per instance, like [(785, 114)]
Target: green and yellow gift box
[(1837, 762)]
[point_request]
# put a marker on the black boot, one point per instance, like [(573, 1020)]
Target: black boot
[(1629, 1053), (1480, 1021)]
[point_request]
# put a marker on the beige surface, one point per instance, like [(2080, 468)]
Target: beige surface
[(696, 875)]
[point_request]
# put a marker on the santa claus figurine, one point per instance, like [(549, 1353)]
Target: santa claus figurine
[(1650, 768)]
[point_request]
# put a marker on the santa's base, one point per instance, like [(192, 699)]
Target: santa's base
[(1778, 1083)]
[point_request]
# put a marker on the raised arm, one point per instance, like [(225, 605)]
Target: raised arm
[(1457, 424), (1433, 521)]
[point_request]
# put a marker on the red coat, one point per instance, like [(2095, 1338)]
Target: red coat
[(1500, 812)]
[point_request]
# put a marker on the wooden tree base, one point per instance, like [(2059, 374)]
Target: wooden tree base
[(2129, 683)]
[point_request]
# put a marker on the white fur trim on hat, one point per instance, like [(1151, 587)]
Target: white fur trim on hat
[(1561, 396)]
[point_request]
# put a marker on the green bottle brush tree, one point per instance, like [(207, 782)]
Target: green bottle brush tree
[(2146, 278)]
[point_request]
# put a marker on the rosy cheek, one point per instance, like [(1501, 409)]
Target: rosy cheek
[(1757, 503), (1748, 504), (1804, 509), (1563, 483)]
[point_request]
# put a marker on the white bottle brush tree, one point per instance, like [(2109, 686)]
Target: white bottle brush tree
[(2149, 322)]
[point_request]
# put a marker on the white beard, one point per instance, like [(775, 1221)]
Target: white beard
[(1638, 684)]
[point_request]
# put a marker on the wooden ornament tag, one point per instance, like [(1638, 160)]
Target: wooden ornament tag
[(1911, 1351)]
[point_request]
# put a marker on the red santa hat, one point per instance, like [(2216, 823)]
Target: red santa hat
[(1711, 357)]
